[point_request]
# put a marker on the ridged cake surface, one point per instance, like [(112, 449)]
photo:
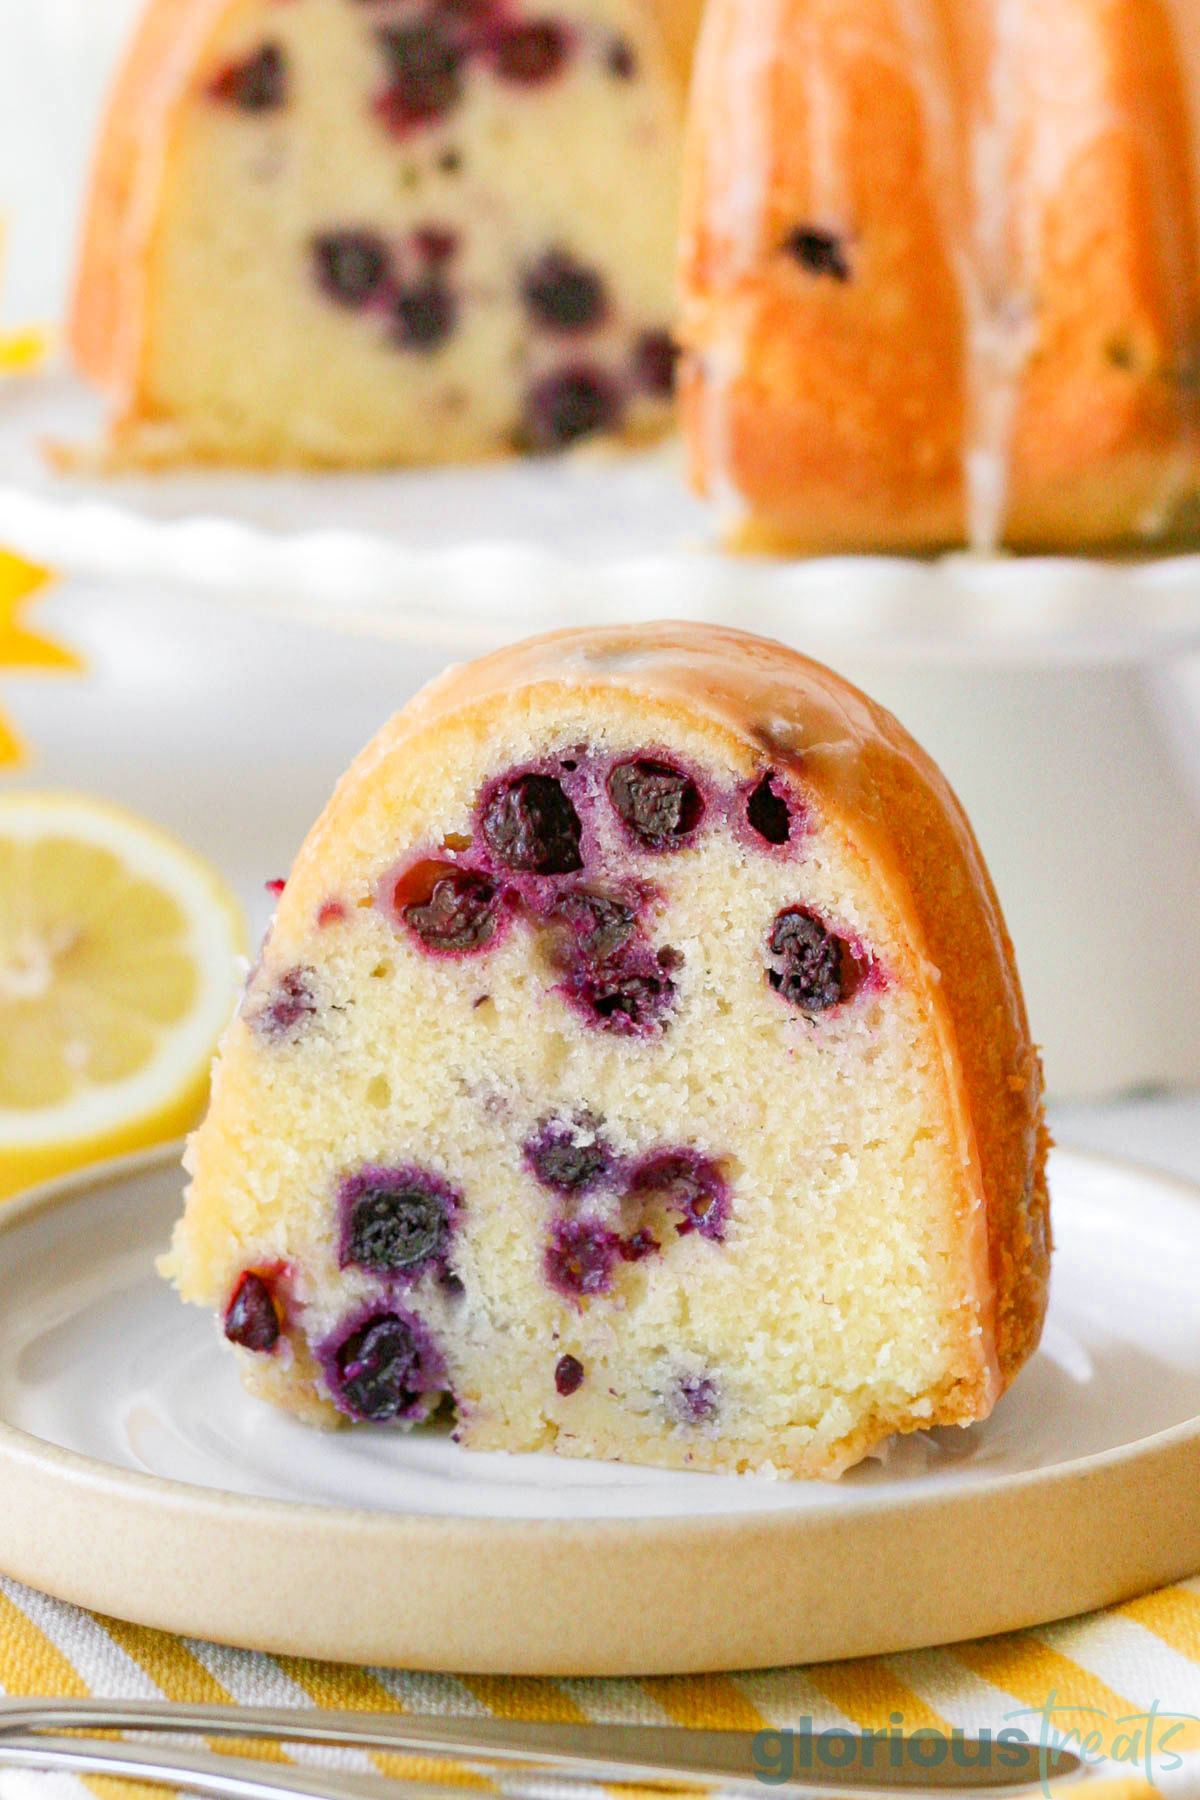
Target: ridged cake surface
[(940, 269)]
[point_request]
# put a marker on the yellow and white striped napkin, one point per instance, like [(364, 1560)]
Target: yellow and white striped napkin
[(1124, 1684)]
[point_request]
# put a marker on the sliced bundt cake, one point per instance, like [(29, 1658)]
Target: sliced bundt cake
[(941, 271), (386, 231), (635, 1065)]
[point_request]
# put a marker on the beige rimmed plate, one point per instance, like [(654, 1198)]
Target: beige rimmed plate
[(137, 1478)]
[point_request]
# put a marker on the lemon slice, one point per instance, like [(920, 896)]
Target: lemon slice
[(118, 959)]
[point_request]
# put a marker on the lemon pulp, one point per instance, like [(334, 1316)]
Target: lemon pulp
[(118, 952)]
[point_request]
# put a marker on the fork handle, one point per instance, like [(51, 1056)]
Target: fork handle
[(645, 1754), (209, 1774)]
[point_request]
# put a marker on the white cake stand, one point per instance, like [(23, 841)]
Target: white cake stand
[(1055, 692)]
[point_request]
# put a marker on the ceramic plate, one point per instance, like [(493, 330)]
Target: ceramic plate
[(469, 557), (136, 1477)]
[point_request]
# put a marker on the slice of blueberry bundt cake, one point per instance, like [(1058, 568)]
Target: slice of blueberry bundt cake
[(942, 272), (363, 232), (635, 1064)]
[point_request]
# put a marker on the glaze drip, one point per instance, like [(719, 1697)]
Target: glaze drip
[(1020, 116)]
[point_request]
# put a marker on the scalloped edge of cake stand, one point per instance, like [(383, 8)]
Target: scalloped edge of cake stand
[(610, 537)]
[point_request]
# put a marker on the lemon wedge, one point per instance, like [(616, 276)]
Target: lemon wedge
[(118, 966)]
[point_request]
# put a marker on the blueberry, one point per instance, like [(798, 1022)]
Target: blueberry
[(568, 1375), (580, 1257), (252, 1318), (638, 1245), (600, 924), (531, 52), (386, 1369), (259, 84), (395, 1220), (563, 295), (768, 813), (459, 912), (818, 252), (655, 359), (809, 972), (568, 1157), (620, 60), (695, 1400), (628, 995), (531, 825), (466, 12), (688, 1184), (424, 316), (287, 1006), (350, 265), (659, 805), (435, 244), (569, 405), (426, 74)]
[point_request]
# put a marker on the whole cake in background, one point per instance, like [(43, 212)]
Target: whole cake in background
[(357, 232), (635, 1067), (940, 267)]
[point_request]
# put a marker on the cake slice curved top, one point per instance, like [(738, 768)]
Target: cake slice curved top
[(359, 232), (636, 1063), (941, 271)]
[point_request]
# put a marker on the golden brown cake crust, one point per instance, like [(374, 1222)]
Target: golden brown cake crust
[(107, 315), (869, 774), (999, 344)]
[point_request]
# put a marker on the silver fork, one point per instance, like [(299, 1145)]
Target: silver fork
[(735, 1762)]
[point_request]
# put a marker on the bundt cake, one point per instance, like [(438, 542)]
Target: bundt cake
[(940, 271), (635, 1067), (358, 232)]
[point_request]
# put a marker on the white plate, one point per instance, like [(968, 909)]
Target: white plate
[(469, 557), (124, 1434), (98, 1355)]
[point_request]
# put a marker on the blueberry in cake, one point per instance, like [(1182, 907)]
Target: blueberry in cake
[(357, 232), (635, 1067)]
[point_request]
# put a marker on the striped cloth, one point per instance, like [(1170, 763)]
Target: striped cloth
[(1116, 1681)]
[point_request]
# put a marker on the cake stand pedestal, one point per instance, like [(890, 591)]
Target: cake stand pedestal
[(1083, 783)]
